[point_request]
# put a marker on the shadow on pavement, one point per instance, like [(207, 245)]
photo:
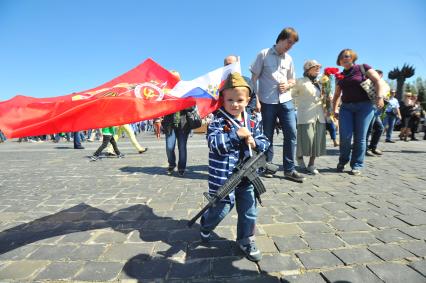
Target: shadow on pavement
[(191, 172), (405, 151), (181, 255)]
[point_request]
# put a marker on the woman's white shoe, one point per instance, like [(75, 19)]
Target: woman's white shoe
[(312, 169)]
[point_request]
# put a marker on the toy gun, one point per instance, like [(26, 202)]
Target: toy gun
[(246, 169)]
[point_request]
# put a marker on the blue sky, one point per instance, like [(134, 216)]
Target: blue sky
[(52, 48)]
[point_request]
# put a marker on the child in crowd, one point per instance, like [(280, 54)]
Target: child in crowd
[(107, 137), (228, 144)]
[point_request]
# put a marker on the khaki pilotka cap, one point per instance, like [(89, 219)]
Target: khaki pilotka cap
[(234, 80)]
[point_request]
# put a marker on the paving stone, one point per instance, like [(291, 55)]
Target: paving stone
[(278, 263), (359, 274), (19, 253), (200, 268), (99, 271), (109, 237), (419, 266), (389, 252), (359, 238), (142, 270), (350, 225), (386, 222), (122, 252), (323, 241), (266, 245), (254, 279), (318, 259), (282, 229), (414, 219), (303, 278), (352, 256), (88, 252), (417, 232), (363, 214), (49, 252), (292, 243), (396, 273), (78, 237), (315, 228), (212, 249), (60, 271), (391, 235), (233, 267), (418, 248), (20, 270), (288, 218)]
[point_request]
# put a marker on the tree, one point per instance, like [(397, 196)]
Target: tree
[(400, 76)]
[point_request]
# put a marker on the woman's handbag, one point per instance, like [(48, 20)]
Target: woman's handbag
[(368, 86), (193, 119)]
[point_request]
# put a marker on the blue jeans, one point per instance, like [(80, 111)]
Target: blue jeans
[(285, 113), (376, 130), (181, 136), (390, 120), (77, 139), (331, 128), (246, 209), (354, 119)]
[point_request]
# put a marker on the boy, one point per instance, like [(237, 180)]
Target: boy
[(228, 144), (107, 137)]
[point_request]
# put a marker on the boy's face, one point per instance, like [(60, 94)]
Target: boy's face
[(235, 100)]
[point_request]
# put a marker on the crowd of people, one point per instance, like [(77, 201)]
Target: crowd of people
[(248, 119)]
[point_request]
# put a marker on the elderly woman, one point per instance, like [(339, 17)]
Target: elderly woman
[(311, 123), (356, 110)]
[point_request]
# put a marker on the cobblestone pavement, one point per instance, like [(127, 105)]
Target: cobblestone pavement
[(63, 218)]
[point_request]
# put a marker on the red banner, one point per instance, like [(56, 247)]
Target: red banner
[(137, 95)]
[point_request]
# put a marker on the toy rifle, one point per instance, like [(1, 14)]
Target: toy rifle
[(245, 169)]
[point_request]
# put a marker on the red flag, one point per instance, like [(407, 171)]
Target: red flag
[(137, 95)]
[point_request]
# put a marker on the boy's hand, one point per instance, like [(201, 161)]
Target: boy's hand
[(243, 132), (250, 142)]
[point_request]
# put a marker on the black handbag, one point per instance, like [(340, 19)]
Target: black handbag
[(193, 119)]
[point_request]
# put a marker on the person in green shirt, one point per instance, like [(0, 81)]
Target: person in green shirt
[(107, 137)]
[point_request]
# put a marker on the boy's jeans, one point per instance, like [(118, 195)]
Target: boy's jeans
[(287, 117), (354, 119), (246, 209)]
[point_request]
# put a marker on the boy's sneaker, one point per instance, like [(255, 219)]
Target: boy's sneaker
[(205, 236), (251, 251), (377, 151), (340, 168), (355, 172), (94, 158), (120, 155)]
